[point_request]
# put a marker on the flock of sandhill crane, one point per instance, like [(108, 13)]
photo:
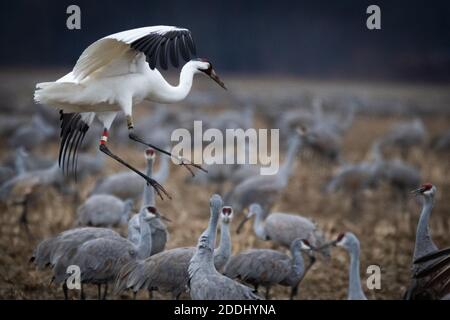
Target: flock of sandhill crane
[(103, 84)]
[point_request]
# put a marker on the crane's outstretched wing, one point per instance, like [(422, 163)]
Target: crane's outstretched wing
[(157, 43)]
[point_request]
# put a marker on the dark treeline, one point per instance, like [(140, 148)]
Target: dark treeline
[(310, 38)]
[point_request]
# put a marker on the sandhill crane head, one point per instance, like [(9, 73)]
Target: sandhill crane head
[(426, 189), (150, 154), (226, 214), (206, 67), (215, 202), (253, 210), (347, 240), (152, 213)]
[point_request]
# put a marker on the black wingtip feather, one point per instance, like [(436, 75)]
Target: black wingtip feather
[(164, 48), (73, 130)]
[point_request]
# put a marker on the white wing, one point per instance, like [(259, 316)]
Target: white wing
[(121, 52)]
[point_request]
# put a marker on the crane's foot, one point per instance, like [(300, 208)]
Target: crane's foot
[(158, 188), (182, 162)]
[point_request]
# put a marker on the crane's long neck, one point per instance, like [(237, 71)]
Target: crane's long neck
[(169, 94), (223, 252), (203, 259), (424, 243), (288, 164), (148, 198), (259, 226), (144, 247), (298, 264), (355, 291), (164, 170)]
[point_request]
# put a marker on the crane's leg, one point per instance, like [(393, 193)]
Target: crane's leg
[(255, 288), (103, 148), (99, 291), (182, 162), (65, 291), (23, 220), (294, 292), (105, 292), (267, 293), (134, 295), (82, 295), (150, 294)]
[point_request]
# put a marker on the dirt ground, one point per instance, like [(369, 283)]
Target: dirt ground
[(385, 227)]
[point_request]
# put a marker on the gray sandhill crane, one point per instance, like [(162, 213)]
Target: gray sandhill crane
[(101, 259), (264, 189), (400, 175), (405, 135), (284, 228), (6, 173), (266, 267), (160, 234), (115, 73), (48, 251), (205, 282), (350, 243), (33, 134), (104, 210), (355, 178), (20, 189), (442, 143), (127, 185), (431, 266), (167, 271)]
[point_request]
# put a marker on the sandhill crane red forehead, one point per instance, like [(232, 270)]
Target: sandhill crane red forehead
[(340, 237), (150, 152), (227, 210), (423, 188), (152, 209)]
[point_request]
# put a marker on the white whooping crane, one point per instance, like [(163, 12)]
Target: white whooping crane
[(112, 75)]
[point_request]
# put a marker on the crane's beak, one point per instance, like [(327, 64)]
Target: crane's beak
[(213, 75), (326, 245), (163, 217), (418, 191)]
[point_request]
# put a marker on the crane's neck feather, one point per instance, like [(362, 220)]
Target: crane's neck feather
[(224, 249), (424, 243), (167, 93), (144, 247), (355, 290), (149, 191)]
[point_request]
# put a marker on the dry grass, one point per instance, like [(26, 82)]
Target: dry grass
[(386, 233)]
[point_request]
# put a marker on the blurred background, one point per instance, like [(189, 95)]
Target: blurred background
[(375, 106)]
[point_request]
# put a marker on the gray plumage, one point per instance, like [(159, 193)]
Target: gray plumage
[(49, 251), (129, 185), (405, 135), (160, 234), (266, 267), (430, 277), (205, 283), (351, 243), (101, 259), (264, 189), (167, 271), (33, 134), (284, 228), (104, 210)]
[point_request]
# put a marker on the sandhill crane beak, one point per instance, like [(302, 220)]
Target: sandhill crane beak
[(164, 217), (418, 191), (213, 75), (326, 245), (246, 218)]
